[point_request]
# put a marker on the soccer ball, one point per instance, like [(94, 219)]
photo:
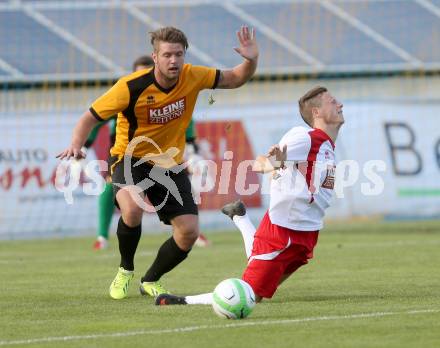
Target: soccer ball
[(233, 299)]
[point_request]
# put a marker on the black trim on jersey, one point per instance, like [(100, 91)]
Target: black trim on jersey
[(135, 88), (95, 114), (88, 144), (217, 78), (112, 139), (113, 130), (160, 88)]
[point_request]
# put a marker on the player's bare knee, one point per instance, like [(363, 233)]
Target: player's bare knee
[(185, 236), (189, 233), (132, 216), (186, 228)]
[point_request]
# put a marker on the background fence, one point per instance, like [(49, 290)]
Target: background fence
[(381, 58)]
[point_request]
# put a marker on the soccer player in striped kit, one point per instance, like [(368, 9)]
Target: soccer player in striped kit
[(154, 108), (303, 165)]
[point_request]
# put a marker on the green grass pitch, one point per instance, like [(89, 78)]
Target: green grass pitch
[(369, 285)]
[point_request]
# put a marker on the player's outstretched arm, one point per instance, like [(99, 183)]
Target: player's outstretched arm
[(274, 159), (241, 73), (79, 137), (277, 156)]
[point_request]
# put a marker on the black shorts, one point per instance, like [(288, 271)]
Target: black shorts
[(159, 195)]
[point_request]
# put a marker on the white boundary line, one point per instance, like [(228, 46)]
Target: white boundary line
[(237, 324)]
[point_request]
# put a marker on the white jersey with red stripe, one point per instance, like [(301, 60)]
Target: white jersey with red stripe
[(303, 189)]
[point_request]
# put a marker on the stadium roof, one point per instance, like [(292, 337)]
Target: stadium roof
[(88, 40)]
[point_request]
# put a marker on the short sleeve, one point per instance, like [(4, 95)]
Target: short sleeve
[(115, 100), (298, 145), (207, 77)]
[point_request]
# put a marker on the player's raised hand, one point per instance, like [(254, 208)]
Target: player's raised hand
[(276, 156), (72, 152), (248, 44)]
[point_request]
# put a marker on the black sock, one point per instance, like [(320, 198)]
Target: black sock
[(168, 257), (128, 241)]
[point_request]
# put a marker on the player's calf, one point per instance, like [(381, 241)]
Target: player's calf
[(185, 231)]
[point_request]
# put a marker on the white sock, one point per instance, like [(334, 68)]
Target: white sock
[(204, 299), (247, 230)]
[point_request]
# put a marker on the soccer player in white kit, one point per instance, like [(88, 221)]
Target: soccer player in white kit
[(303, 165)]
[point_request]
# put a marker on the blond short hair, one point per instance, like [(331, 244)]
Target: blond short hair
[(308, 101), (170, 35)]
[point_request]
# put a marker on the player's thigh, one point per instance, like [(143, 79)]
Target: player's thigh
[(175, 201), (269, 238), (187, 224), (128, 198), (185, 230), (130, 202), (264, 276), (295, 256)]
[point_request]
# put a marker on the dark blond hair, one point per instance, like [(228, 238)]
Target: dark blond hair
[(170, 35), (308, 101)]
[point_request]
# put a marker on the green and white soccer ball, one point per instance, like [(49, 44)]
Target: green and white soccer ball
[(233, 299)]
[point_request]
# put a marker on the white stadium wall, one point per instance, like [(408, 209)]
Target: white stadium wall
[(391, 152), (392, 144)]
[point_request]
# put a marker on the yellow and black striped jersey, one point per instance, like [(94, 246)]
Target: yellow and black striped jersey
[(146, 109)]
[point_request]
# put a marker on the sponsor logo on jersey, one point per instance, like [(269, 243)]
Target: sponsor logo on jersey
[(329, 181), (150, 99), (167, 113)]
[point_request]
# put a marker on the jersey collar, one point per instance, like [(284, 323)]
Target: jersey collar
[(160, 88), (326, 136)]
